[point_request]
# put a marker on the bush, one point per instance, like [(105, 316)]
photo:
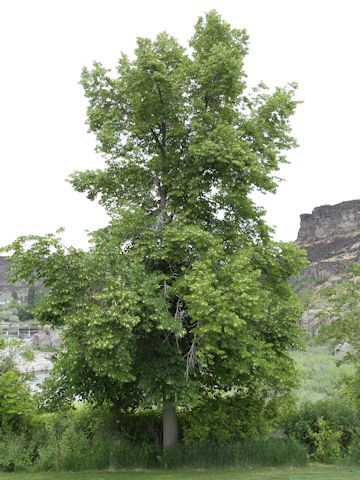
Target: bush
[(14, 453), (82, 440), (310, 422), (228, 419), (327, 442), (15, 401), (70, 451), (62, 443)]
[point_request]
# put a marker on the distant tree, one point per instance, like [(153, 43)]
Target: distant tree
[(184, 296)]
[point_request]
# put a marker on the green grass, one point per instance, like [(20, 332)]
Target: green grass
[(319, 374), (313, 472)]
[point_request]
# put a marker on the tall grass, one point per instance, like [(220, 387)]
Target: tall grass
[(75, 451), (320, 374), (247, 452), (123, 454)]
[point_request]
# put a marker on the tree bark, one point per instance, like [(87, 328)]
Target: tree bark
[(170, 425)]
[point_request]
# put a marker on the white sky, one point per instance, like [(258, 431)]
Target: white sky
[(43, 138)]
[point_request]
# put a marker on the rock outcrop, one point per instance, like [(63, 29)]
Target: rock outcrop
[(331, 237), (47, 338), (328, 221)]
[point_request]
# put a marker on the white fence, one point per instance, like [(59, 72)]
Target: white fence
[(19, 329)]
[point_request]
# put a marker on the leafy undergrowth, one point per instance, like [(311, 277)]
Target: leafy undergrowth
[(313, 472)]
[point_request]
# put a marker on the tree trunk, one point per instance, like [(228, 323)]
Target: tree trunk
[(170, 425)]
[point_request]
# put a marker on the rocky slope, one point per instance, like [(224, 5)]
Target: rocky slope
[(331, 237)]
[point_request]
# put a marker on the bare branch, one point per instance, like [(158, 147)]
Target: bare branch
[(192, 361)]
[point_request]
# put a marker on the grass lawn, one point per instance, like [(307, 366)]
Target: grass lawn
[(313, 472)]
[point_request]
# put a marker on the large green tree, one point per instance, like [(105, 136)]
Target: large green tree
[(184, 294)]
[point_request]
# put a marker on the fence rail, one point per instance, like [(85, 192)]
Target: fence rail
[(19, 330)]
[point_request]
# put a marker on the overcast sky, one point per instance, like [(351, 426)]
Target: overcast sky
[(43, 137)]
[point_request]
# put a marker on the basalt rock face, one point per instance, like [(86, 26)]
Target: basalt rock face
[(10, 291), (329, 221), (331, 237)]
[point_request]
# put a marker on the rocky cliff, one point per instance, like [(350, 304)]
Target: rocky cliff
[(10, 291), (328, 221), (331, 237)]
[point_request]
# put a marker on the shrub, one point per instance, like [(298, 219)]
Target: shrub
[(14, 453), (15, 400), (60, 444), (326, 442), (70, 451), (82, 440), (228, 419), (303, 423)]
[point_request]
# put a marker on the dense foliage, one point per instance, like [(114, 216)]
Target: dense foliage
[(328, 428), (15, 401)]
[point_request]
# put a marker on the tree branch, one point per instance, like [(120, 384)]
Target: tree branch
[(191, 361)]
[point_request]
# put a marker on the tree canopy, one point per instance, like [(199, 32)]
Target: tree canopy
[(183, 295)]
